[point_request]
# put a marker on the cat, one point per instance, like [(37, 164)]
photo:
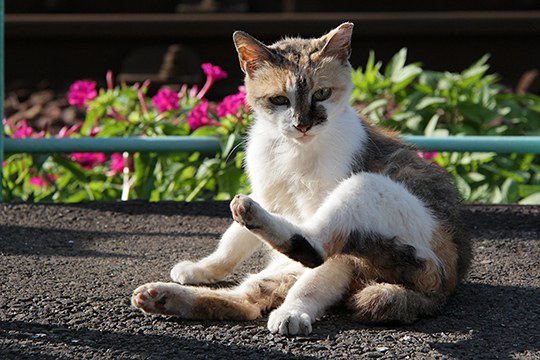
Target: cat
[(353, 214)]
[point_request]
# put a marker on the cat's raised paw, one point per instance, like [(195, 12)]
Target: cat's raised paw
[(246, 211), (289, 322)]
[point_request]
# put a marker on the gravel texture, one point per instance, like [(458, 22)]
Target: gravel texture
[(68, 272)]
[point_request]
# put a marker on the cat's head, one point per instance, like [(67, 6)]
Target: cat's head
[(297, 84)]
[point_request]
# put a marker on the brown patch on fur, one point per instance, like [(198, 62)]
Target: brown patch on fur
[(381, 294), (271, 81), (335, 245), (216, 306), (384, 302), (429, 279), (446, 250), (252, 54), (230, 304), (269, 294)]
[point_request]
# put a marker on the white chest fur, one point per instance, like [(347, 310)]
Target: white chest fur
[(293, 179)]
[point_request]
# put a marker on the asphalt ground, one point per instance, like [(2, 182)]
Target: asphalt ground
[(67, 273)]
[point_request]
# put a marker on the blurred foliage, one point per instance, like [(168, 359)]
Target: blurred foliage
[(400, 96), (411, 100)]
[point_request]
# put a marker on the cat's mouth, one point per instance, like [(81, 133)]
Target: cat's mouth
[(305, 138)]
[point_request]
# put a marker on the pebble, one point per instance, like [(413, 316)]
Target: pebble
[(373, 354)]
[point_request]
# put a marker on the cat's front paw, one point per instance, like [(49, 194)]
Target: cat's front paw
[(246, 212), (289, 322), (162, 298), (188, 272)]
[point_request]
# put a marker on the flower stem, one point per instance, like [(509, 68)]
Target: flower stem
[(126, 184), (207, 85)]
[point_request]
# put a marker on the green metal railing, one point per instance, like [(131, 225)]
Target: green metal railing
[(207, 144)]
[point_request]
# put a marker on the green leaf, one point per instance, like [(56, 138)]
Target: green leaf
[(396, 64), (228, 147), (70, 166), (229, 181), (533, 199), (207, 168), (407, 76), (510, 192), (528, 190), (78, 196), (39, 160), (205, 131), (375, 105), (478, 68), (431, 125), (145, 178), (463, 187), (114, 129), (428, 101), (92, 117)]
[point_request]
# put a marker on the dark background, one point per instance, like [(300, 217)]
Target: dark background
[(51, 43)]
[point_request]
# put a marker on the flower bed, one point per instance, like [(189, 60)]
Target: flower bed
[(402, 97)]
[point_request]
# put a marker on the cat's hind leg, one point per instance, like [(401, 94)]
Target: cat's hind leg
[(235, 246), (315, 291), (247, 301)]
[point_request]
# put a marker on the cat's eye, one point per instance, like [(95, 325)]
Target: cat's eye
[(322, 94), (279, 100)]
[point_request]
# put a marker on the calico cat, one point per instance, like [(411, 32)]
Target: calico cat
[(354, 214)]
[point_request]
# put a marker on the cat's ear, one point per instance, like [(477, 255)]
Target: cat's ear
[(338, 42), (251, 52)]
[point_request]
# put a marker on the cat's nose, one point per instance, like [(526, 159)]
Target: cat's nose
[(302, 127)]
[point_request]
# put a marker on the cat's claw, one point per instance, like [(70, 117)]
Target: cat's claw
[(246, 211), (289, 322)]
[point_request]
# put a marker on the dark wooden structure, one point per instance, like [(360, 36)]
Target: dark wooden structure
[(61, 48)]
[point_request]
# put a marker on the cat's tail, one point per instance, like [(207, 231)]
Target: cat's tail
[(385, 303)]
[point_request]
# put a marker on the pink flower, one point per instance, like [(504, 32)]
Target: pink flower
[(24, 130), (110, 80), (232, 104), (166, 100), (142, 100), (38, 181), (89, 160), (68, 131), (82, 91), (193, 91), (118, 163), (427, 155), (213, 73), (43, 181), (198, 117)]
